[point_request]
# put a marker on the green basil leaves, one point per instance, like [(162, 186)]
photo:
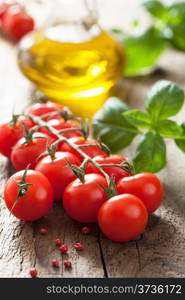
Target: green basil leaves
[(117, 125)]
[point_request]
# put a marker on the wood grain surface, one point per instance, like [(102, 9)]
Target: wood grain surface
[(160, 252)]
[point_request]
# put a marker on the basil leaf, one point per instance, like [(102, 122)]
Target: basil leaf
[(138, 118), (170, 129), (156, 9), (150, 154), (181, 143), (164, 100), (176, 23), (172, 20), (176, 13), (178, 33), (143, 50), (110, 125)]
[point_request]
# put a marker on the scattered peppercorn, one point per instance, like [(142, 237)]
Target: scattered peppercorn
[(43, 231), (58, 242), (78, 246), (55, 263), (33, 272), (63, 249), (67, 264), (86, 230)]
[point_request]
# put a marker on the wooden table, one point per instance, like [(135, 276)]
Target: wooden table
[(161, 251)]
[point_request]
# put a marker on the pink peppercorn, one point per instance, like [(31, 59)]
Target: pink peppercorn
[(78, 246), (55, 263), (63, 249), (86, 230), (33, 272), (67, 264), (43, 231), (58, 242)]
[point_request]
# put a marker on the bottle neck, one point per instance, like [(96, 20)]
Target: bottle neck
[(91, 6), (74, 11), (74, 21)]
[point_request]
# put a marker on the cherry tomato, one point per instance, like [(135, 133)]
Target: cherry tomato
[(36, 201), (16, 22), (3, 8), (70, 124), (123, 217), (92, 151), (115, 172), (82, 200), (60, 124), (145, 186), (25, 120), (9, 136), (40, 109), (55, 123), (57, 171), (26, 153)]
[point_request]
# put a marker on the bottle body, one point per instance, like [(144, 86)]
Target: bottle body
[(72, 64)]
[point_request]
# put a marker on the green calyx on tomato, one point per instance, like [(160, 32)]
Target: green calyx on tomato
[(103, 146), (85, 127), (78, 171), (111, 190), (22, 187), (13, 121), (51, 150), (28, 133)]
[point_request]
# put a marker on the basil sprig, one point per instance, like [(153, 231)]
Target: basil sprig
[(117, 125), (171, 20), (144, 47)]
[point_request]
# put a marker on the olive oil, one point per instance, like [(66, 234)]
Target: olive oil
[(72, 65)]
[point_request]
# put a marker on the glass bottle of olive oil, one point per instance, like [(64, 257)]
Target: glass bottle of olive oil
[(73, 61)]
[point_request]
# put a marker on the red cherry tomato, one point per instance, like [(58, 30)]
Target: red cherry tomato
[(16, 22), (115, 172), (123, 218), (60, 124), (57, 171), (9, 136), (3, 8), (92, 151), (37, 200), (145, 186), (55, 123), (82, 200), (26, 153), (24, 120), (71, 124), (40, 109)]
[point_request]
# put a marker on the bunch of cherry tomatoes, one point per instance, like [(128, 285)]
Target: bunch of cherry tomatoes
[(15, 22), (56, 161)]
